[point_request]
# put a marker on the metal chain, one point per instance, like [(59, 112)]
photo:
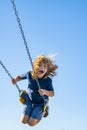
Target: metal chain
[(3, 66), (22, 32), (24, 39)]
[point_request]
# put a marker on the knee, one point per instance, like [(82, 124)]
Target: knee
[(33, 122), (30, 123), (23, 121)]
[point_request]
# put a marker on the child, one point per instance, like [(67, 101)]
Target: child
[(44, 68)]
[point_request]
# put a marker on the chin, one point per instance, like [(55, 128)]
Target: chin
[(41, 76)]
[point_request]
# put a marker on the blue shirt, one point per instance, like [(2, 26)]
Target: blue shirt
[(32, 89)]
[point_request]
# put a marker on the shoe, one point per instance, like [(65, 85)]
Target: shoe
[(46, 112)]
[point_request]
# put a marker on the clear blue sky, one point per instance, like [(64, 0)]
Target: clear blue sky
[(50, 26)]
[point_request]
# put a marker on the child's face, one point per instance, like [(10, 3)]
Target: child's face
[(41, 70)]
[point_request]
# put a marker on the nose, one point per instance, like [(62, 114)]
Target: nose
[(41, 67)]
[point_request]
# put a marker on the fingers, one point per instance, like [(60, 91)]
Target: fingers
[(13, 81), (41, 92)]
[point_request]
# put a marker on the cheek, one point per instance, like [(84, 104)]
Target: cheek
[(46, 69)]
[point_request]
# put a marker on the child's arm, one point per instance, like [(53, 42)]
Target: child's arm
[(46, 92), (18, 78)]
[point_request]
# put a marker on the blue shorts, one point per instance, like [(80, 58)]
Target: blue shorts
[(33, 110)]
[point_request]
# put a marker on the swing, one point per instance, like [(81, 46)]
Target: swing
[(22, 93)]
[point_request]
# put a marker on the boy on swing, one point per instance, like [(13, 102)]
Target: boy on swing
[(44, 69)]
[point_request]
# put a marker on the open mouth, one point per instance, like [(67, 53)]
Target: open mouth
[(41, 71)]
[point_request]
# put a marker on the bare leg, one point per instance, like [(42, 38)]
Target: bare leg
[(31, 121)]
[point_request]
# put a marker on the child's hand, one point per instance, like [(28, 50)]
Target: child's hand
[(14, 81), (41, 92)]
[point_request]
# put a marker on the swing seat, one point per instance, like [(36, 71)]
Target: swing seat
[(23, 96)]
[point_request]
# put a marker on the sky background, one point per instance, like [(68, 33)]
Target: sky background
[(50, 26)]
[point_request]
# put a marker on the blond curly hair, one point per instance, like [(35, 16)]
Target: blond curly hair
[(51, 67)]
